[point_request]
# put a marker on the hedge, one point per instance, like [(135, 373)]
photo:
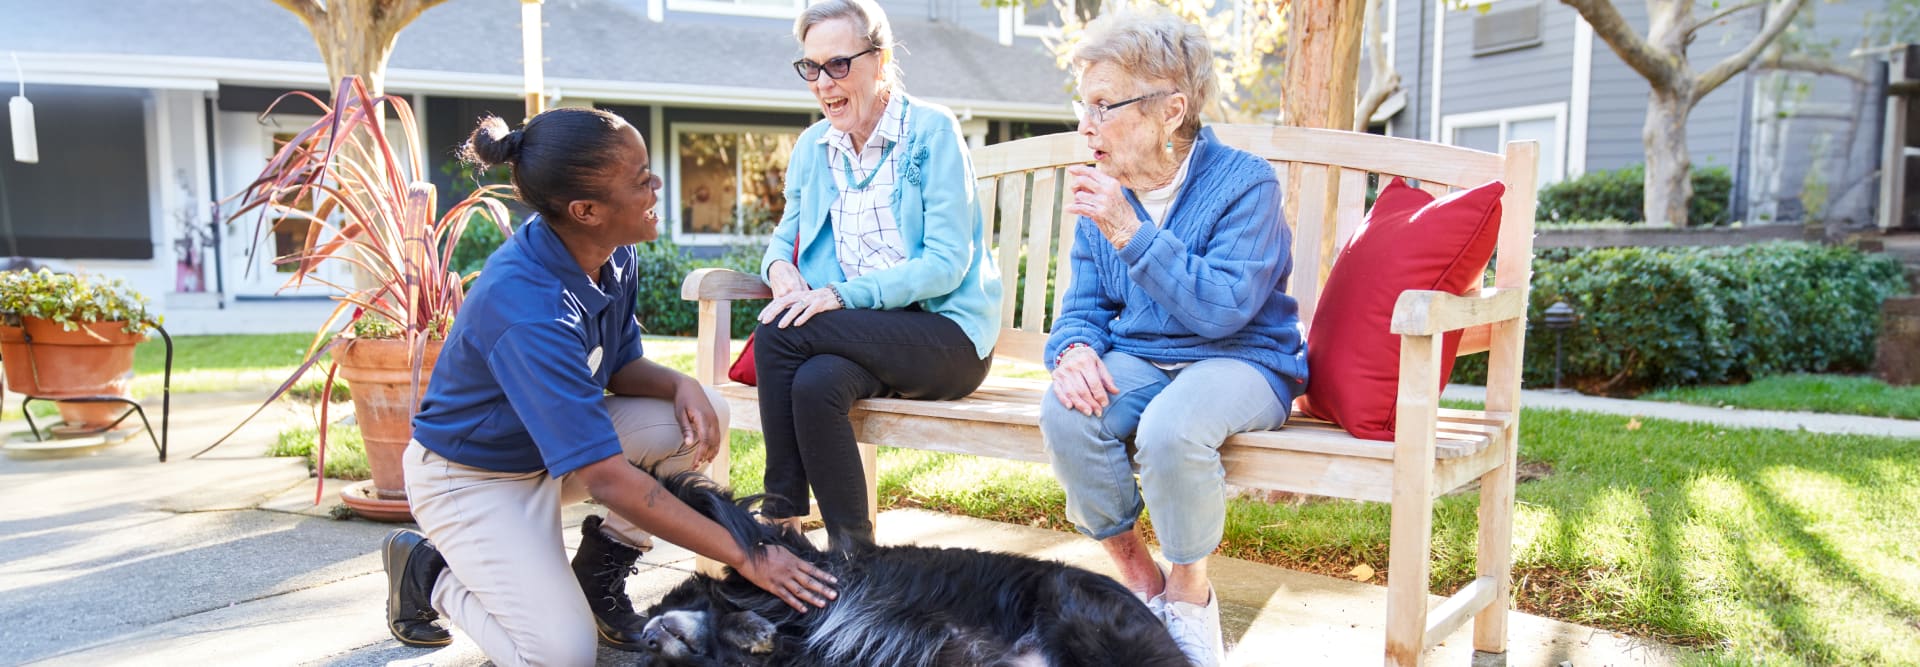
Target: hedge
[(1657, 317), (1620, 193), (664, 265)]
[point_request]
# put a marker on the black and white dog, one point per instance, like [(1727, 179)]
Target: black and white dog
[(900, 607)]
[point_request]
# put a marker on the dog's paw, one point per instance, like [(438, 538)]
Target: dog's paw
[(748, 632)]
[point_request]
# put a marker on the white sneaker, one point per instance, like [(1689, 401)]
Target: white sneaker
[(1196, 630), (1156, 603)]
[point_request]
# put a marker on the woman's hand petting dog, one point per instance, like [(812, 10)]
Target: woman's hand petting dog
[(796, 582)]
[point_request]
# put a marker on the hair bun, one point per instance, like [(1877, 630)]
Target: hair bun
[(493, 144)]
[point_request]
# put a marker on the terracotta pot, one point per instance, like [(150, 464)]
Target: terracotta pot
[(378, 373), (94, 360), (91, 417)]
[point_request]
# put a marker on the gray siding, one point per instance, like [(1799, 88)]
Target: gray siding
[(1713, 129), (1533, 75)]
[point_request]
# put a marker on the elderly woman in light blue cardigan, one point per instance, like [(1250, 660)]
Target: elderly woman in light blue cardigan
[(892, 291), (1177, 331)]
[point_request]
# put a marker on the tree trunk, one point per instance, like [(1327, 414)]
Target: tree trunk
[(355, 37), (1323, 63), (1668, 188)]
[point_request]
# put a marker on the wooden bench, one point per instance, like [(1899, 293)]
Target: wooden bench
[(1326, 174)]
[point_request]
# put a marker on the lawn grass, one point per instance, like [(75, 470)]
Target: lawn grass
[(1837, 394), (220, 363)]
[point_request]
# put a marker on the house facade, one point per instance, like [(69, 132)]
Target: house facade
[(147, 113), (1796, 144)]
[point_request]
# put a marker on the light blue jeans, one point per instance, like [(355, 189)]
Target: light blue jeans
[(1176, 421)]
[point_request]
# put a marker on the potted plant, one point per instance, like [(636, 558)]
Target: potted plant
[(369, 205), (68, 335)]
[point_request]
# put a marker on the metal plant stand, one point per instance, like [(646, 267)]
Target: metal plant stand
[(133, 407)]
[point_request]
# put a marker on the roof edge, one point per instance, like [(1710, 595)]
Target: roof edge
[(206, 74)]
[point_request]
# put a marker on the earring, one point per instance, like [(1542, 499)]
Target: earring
[(1169, 146)]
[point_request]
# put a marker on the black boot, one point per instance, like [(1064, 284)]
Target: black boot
[(602, 566), (412, 566)]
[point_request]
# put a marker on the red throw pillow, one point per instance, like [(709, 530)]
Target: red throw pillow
[(1409, 242)]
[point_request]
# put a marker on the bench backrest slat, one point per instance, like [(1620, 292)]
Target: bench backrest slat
[(1310, 239), (1334, 171), (1013, 215), (1043, 209)]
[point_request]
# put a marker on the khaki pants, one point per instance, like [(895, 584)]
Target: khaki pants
[(508, 583)]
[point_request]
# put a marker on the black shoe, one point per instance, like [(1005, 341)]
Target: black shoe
[(412, 566), (602, 566)]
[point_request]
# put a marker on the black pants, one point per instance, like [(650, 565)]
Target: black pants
[(810, 376)]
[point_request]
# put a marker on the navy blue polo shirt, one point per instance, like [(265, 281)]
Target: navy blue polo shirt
[(521, 381)]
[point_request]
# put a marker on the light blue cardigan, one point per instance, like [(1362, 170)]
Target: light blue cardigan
[(949, 268)]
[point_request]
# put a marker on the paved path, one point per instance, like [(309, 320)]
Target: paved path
[(120, 559), (1793, 421)]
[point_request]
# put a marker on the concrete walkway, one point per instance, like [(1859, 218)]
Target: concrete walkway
[(120, 559), (1812, 422)]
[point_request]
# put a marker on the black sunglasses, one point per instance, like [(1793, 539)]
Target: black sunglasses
[(836, 68)]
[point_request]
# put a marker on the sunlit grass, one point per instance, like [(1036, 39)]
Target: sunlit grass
[(1837, 394)]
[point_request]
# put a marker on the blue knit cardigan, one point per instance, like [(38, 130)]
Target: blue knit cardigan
[(1209, 281)]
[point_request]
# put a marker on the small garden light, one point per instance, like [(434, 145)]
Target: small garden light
[(1559, 318)]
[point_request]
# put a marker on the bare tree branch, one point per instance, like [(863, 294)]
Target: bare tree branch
[(1729, 11), (1776, 23), (309, 11), (403, 12), (1382, 80), (1658, 68), (1810, 66)]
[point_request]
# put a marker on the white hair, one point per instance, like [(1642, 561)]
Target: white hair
[(1154, 45), (868, 18)]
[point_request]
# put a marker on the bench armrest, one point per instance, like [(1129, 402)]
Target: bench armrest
[(1428, 312), (723, 285)]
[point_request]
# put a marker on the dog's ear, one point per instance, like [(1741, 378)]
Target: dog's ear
[(748, 632), (716, 503)]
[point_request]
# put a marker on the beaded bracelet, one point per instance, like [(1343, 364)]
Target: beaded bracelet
[(1065, 350)]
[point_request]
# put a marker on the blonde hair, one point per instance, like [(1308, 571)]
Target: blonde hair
[(1154, 45), (868, 18)]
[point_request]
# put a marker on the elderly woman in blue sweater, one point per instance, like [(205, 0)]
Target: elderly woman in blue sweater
[(881, 276), (1177, 331)]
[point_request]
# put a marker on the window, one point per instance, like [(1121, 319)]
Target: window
[(779, 9), (1037, 18), (1491, 130), (728, 181), (290, 233), (1506, 26), (88, 198)]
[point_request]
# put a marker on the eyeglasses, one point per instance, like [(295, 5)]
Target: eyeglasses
[(1099, 113), (836, 68)]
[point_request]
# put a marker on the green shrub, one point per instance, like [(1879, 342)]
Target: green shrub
[(664, 265), (1656, 317), (1620, 193), (477, 243)]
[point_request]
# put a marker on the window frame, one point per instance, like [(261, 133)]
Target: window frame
[(1017, 16), (1451, 124), (671, 202), (737, 9)]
